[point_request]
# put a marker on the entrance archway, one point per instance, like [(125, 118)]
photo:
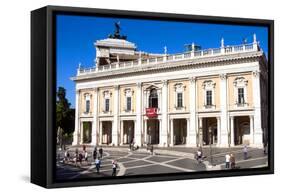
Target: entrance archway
[(241, 130), (87, 132), (128, 131), (210, 131), (153, 131), (106, 132), (179, 131)]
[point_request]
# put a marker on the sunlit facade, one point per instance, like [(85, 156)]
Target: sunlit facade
[(195, 98)]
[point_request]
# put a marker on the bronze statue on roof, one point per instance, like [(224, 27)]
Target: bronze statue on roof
[(116, 34)]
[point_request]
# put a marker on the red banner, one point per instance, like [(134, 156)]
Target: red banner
[(151, 112)]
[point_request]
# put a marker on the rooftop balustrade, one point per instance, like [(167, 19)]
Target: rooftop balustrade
[(226, 50)]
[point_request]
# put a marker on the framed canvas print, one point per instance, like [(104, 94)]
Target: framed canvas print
[(125, 96)]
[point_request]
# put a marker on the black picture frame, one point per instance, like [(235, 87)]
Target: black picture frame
[(43, 94)]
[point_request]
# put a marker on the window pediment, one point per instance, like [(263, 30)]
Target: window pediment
[(128, 92), (179, 87), (107, 94), (208, 84), (240, 81)]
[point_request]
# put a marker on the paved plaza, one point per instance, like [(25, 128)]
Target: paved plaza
[(164, 160)]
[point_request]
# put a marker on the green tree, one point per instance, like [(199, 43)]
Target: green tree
[(64, 116)]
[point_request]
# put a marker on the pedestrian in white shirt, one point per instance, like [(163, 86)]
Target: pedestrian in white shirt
[(227, 161)]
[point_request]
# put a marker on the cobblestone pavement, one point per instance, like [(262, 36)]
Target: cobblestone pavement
[(168, 160)]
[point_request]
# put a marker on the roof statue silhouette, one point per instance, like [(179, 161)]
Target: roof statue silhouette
[(117, 34)]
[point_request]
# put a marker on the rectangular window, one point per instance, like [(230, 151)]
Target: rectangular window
[(241, 99), (179, 97), (87, 106), (129, 101), (106, 105), (209, 98)]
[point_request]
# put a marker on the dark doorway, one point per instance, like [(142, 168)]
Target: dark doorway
[(210, 132), (87, 132), (153, 131), (179, 131), (106, 132)]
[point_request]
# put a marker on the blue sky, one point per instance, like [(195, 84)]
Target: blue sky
[(76, 35)]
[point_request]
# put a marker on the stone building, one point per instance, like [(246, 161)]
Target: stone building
[(198, 97)]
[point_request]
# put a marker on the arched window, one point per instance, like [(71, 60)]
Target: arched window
[(153, 99)]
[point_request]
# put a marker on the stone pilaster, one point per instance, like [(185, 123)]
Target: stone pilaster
[(192, 107), (138, 123), (95, 117), (231, 131), (115, 116), (258, 134), (224, 113), (187, 131), (164, 124), (76, 133), (172, 132)]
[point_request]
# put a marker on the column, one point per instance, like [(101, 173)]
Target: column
[(231, 131), (145, 105), (200, 129), (81, 132), (218, 131), (258, 134), (138, 123), (76, 131), (121, 132), (100, 133), (145, 132), (159, 93), (95, 117), (160, 133), (224, 115), (187, 132), (172, 132), (192, 107), (164, 126), (251, 129), (115, 116)]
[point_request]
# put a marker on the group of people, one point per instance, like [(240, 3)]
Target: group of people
[(230, 158), (97, 154), (230, 161)]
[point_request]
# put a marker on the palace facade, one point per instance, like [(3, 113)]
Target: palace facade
[(195, 98)]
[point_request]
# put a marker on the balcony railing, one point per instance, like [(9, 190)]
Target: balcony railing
[(170, 58)]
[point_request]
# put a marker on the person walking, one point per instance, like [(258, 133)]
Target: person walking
[(76, 157), (95, 153), (227, 160), (232, 161), (245, 152), (97, 163), (66, 156), (114, 167), (151, 149), (199, 156), (100, 152), (86, 157), (80, 156)]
